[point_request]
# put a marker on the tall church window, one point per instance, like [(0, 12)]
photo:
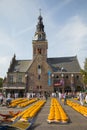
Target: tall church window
[(39, 50), (39, 72), (39, 77), (39, 69)]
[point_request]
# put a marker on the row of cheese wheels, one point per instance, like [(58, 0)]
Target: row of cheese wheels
[(22, 102), (57, 113), (79, 108), (17, 101), (30, 112)]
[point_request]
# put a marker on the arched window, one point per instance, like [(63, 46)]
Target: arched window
[(67, 77), (39, 66), (77, 76), (40, 87), (37, 87), (57, 76)]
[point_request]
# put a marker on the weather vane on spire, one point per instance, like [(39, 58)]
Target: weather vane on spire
[(40, 11)]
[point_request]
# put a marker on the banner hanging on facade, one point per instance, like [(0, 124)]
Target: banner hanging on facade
[(49, 78)]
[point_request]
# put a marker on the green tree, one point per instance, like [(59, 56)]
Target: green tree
[(85, 65), (1, 82), (84, 72)]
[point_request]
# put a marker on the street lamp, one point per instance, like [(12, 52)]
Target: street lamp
[(72, 83), (52, 75), (62, 75), (62, 81), (72, 75)]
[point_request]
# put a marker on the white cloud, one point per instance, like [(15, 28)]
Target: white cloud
[(75, 30), (5, 39), (4, 64), (21, 32), (8, 44), (71, 39), (16, 21)]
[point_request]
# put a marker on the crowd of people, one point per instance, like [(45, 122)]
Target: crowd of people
[(82, 97), (60, 96), (7, 100)]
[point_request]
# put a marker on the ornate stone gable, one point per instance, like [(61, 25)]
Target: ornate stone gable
[(38, 75)]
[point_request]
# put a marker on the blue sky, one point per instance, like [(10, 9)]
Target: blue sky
[(65, 26)]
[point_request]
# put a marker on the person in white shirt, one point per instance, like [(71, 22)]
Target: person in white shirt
[(59, 96), (86, 98), (1, 98), (8, 100), (81, 98)]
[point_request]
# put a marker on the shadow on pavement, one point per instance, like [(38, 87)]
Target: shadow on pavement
[(34, 126)]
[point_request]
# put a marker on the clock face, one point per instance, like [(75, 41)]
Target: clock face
[(36, 37)]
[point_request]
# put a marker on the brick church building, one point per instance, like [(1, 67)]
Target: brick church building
[(43, 74)]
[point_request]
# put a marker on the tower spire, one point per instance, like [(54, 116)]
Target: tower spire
[(40, 34), (40, 44)]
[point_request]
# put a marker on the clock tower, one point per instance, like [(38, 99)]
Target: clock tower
[(39, 80), (40, 44)]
